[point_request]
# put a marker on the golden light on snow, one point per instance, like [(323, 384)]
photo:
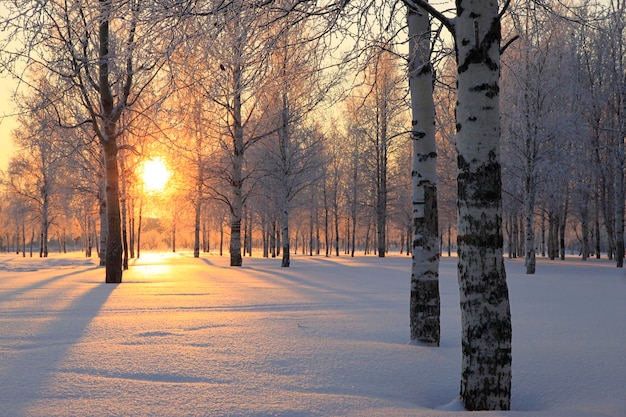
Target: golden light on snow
[(155, 175)]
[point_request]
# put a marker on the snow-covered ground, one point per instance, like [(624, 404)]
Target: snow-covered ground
[(326, 337)]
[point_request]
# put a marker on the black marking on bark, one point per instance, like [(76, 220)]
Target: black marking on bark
[(458, 127), (479, 54), (426, 157), (418, 134), (491, 89), (426, 69), (459, 8), (472, 118), (482, 185)]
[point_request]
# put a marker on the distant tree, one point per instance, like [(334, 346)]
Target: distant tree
[(615, 30), (36, 171), (290, 155), (540, 116)]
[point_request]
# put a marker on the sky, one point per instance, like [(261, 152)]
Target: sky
[(7, 124), (326, 337)]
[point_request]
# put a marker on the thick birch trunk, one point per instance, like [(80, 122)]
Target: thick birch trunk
[(485, 311), (114, 235), (424, 298)]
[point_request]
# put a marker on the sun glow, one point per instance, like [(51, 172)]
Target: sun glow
[(155, 175)]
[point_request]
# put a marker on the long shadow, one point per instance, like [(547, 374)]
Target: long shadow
[(34, 361), (5, 296), (206, 261), (324, 289)]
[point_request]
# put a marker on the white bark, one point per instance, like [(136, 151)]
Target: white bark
[(485, 311), (424, 301)]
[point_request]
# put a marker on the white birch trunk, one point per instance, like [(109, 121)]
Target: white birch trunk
[(424, 299), (485, 311)]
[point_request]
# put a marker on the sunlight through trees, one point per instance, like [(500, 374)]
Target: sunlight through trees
[(334, 128)]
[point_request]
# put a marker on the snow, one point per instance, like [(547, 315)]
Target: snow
[(326, 337)]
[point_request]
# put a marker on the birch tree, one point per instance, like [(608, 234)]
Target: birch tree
[(424, 299), (485, 311), (539, 117), (291, 154)]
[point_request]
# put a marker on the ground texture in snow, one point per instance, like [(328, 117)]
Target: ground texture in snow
[(326, 337)]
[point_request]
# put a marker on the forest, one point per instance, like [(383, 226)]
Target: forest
[(321, 131), (323, 128)]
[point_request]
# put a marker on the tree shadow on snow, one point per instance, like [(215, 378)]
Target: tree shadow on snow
[(38, 356)]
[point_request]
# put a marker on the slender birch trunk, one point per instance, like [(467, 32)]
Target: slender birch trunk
[(618, 10), (139, 227), (424, 298), (562, 224), (237, 166), (45, 224), (619, 199), (529, 209), (198, 205), (284, 227), (485, 310), (102, 211), (124, 201)]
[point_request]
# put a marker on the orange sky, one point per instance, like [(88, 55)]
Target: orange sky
[(7, 124)]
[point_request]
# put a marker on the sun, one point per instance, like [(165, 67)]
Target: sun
[(155, 175)]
